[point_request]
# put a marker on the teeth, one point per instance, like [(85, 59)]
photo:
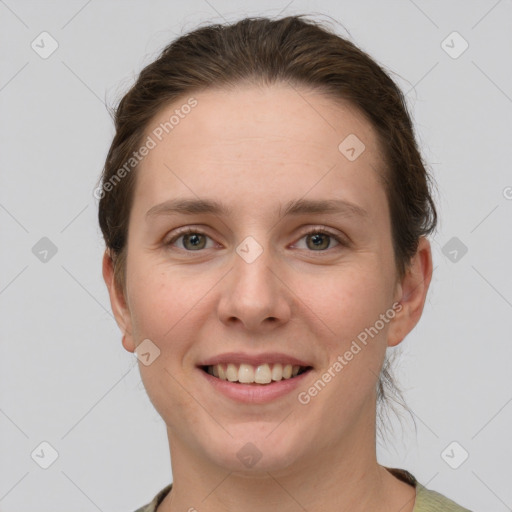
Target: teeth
[(263, 375), (277, 372), (248, 374), (232, 373)]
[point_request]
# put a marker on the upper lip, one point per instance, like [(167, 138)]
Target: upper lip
[(254, 359)]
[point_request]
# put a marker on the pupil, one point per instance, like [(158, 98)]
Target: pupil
[(194, 239), (317, 239)]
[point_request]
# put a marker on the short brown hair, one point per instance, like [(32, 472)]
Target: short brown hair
[(291, 50)]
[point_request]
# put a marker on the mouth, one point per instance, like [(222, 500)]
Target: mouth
[(256, 375)]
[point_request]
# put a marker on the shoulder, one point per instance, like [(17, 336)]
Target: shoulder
[(427, 500), (153, 504), (432, 501)]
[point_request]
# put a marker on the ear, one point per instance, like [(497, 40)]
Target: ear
[(411, 293), (118, 303)]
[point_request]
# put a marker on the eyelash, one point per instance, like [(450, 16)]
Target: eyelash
[(188, 231)]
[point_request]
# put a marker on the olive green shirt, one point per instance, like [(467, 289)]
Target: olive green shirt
[(426, 499)]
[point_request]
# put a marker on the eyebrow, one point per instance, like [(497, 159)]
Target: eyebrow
[(295, 207), (313, 206), (189, 207)]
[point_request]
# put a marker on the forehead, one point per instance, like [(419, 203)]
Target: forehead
[(263, 114), (260, 144)]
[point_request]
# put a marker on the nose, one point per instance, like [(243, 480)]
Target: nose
[(255, 294)]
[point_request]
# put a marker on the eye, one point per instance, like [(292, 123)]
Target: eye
[(193, 239), (320, 239), (317, 240)]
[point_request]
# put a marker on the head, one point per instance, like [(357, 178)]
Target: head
[(257, 117)]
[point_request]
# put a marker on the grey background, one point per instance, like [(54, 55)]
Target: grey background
[(65, 377)]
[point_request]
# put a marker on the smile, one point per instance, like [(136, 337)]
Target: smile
[(245, 373), (252, 392)]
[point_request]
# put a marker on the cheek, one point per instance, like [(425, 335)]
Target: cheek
[(349, 304), (161, 299), (347, 300), (165, 309)]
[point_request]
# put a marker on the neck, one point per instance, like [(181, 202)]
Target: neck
[(346, 476)]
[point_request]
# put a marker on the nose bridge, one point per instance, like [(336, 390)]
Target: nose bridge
[(253, 292), (253, 280)]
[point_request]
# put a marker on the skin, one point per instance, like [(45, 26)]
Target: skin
[(254, 149)]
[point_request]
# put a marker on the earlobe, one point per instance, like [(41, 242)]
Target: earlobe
[(118, 303), (128, 343), (412, 293)]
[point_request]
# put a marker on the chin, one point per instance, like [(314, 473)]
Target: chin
[(256, 451)]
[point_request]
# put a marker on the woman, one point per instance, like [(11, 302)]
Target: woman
[(265, 210)]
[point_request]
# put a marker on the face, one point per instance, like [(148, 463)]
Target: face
[(272, 276)]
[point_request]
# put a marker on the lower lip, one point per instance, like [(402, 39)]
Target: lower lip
[(255, 393)]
